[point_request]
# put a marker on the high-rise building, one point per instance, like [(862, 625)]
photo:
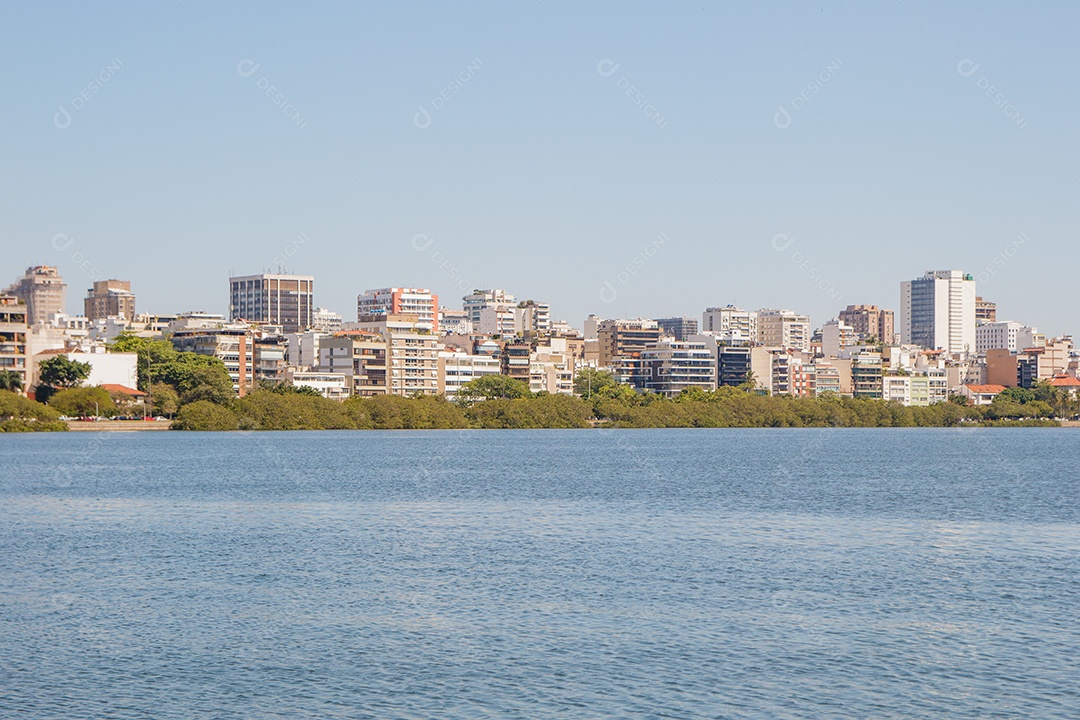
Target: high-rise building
[(985, 311), (456, 367), (784, 329), (42, 290), (937, 311), (625, 338), (361, 357), (400, 300), (13, 333), (679, 328), (870, 321), (532, 318), (412, 352), (481, 300), (672, 366), (285, 300), (837, 336), (326, 321), (731, 321), (109, 298), (1006, 334)]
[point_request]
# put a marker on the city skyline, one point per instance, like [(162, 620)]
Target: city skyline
[(562, 152)]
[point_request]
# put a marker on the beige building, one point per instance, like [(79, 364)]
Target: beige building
[(234, 345), (412, 352), (552, 367), (625, 338), (784, 329), (42, 290), (870, 321), (360, 357), (109, 298)]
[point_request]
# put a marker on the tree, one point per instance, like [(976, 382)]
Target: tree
[(205, 415), (749, 384), (21, 414), (591, 381), (83, 402), (11, 380), (166, 401), (58, 373), (492, 387)]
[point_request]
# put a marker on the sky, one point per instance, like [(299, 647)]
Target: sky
[(622, 159)]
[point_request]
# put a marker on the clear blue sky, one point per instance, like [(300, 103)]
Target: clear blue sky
[(539, 173)]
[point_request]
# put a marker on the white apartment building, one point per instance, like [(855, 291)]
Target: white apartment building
[(1003, 335), (532, 317), (784, 329), (454, 322), (836, 337), (496, 321), (481, 300), (552, 368), (303, 349), (333, 386), (456, 367), (730, 319), (937, 311), (919, 390), (326, 321)]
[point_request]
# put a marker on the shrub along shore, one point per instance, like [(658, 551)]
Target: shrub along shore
[(724, 408), (498, 402)]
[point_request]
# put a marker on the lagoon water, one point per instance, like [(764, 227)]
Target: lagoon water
[(538, 574)]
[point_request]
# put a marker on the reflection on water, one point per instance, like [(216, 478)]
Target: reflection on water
[(538, 575)]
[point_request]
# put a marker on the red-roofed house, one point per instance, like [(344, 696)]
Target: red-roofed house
[(1067, 383), (981, 394)]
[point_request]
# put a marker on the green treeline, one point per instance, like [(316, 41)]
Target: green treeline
[(21, 414), (285, 409)]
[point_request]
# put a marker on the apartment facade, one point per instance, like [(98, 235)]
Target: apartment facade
[(456, 367), (985, 311), (283, 300), (42, 290), (13, 339), (480, 300), (731, 321), (625, 338), (672, 366), (937, 311), (234, 345), (401, 301), (870, 321), (109, 299), (836, 337), (361, 357), (679, 328), (784, 329)]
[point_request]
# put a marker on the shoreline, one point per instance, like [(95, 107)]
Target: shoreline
[(117, 425)]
